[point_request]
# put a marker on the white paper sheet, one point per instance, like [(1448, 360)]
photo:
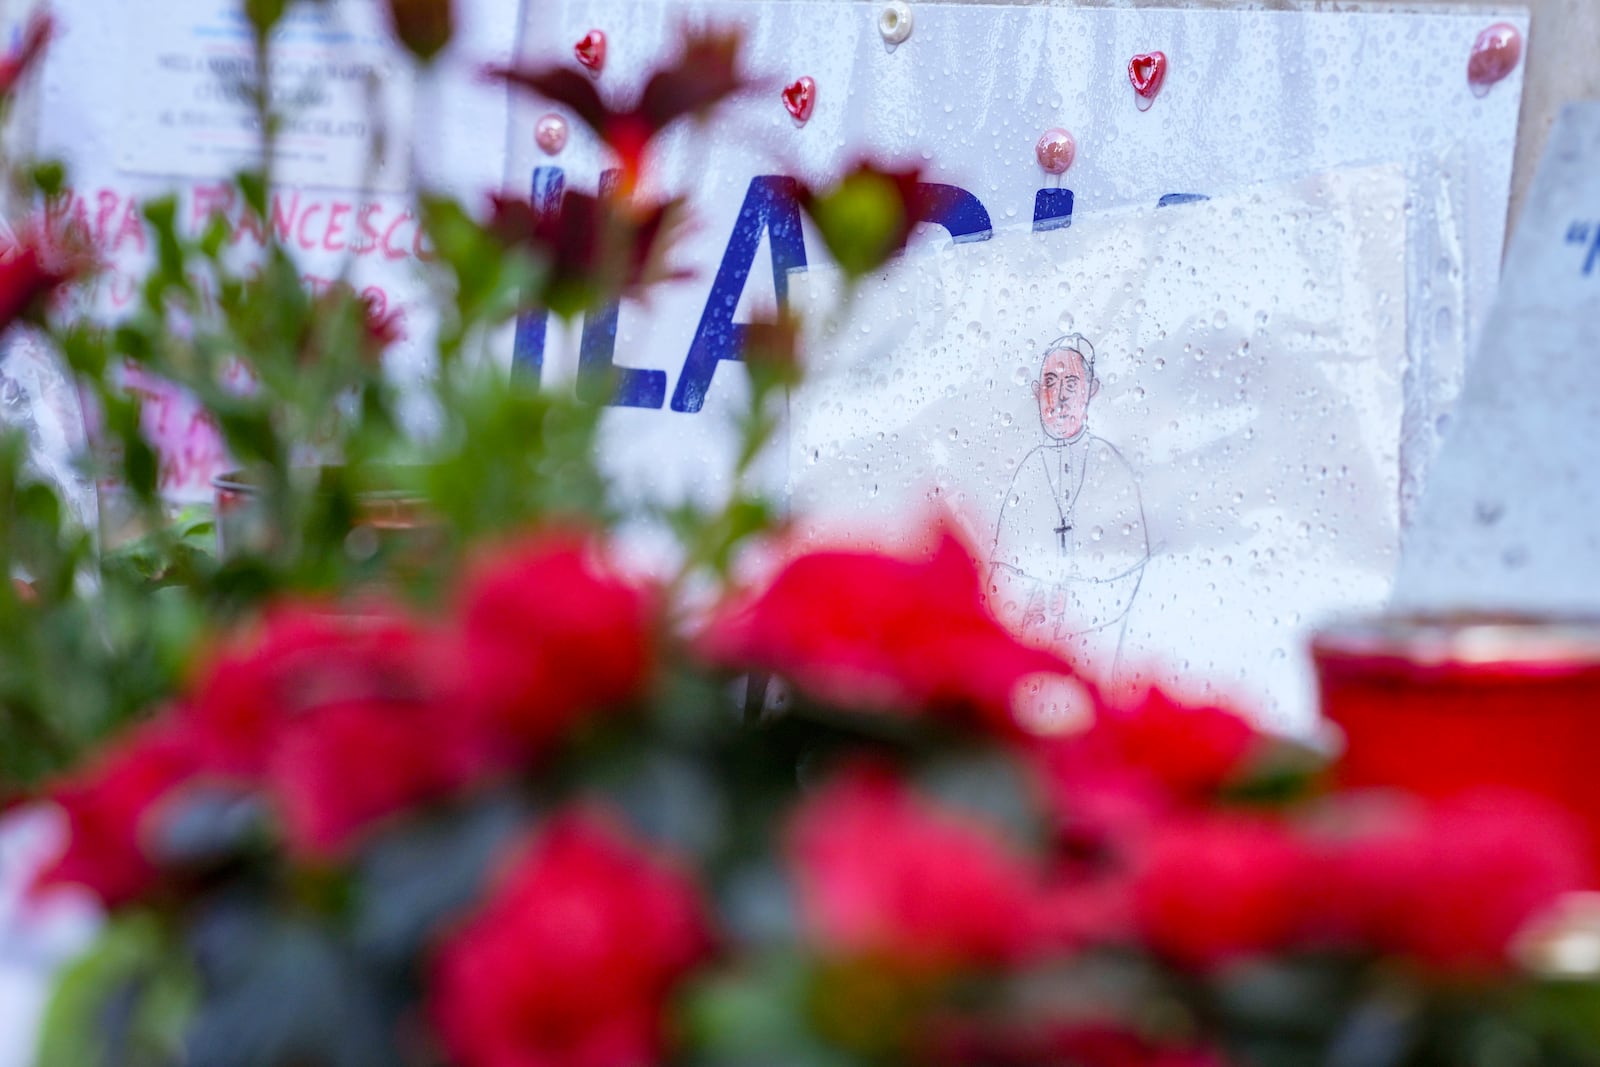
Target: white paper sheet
[(1236, 478)]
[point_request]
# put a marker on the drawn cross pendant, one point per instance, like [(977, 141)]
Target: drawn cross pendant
[(1061, 536)]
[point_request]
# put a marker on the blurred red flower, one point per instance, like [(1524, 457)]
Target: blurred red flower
[(110, 805), (381, 327), (592, 248), (571, 961), (344, 718), (869, 630), (1191, 750), (32, 267), (886, 876), (1024, 1044), (351, 763), (1452, 884), (704, 74), (36, 38), (1136, 765), (551, 632), (1209, 890)]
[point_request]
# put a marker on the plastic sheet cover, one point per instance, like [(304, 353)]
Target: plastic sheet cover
[(1173, 434)]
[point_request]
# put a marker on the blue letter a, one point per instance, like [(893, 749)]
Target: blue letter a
[(770, 205)]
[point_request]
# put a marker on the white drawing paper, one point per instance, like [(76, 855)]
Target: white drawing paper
[(1172, 433)]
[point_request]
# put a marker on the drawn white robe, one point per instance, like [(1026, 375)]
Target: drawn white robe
[(1070, 547)]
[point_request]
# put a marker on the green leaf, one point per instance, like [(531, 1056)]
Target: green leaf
[(757, 1015), (85, 350), (162, 214), (253, 185), (126, 1001), (264, 14), (862, 221), (50, 178)]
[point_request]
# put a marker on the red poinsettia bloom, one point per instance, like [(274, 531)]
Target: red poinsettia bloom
[(1452, 884), (704, 74), (888, 877), (35, 39), (1138, 763), (1191, 750), (869, 630), (551, 633), (571, 961), (593, 248), (344, 718), (32, 268), (113, 805), (1211, 890), (349, 764)]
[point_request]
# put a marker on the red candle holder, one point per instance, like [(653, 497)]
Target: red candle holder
[(1440, 705)]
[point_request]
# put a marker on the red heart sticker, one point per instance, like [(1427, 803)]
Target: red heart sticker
[(1147, 71), (591, 51), (800, 98)]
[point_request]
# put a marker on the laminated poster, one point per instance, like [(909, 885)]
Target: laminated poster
[(141, 101)]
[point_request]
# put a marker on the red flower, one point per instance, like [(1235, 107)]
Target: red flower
[(867, 630), (424, 27), (380, 327), (592, 248), (1060, 1045), (110, 807), (705, 73), (345, 719), (886, 876), (31, 269), (35, 39), (552, 633), (1137, 765), (571, 961), (1209, 891), (1192, 750), (337, 771), (1452, 885)]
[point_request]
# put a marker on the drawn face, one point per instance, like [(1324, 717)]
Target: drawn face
[(1064, 389)]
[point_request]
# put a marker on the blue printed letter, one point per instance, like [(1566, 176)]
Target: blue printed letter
[(956, 210), (1052, 210), (527, 353), (600, 380), (769, 205)]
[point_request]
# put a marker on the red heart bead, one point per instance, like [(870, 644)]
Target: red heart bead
[(800, 98), (591, 51), (1495, 54), (1147, 71)]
